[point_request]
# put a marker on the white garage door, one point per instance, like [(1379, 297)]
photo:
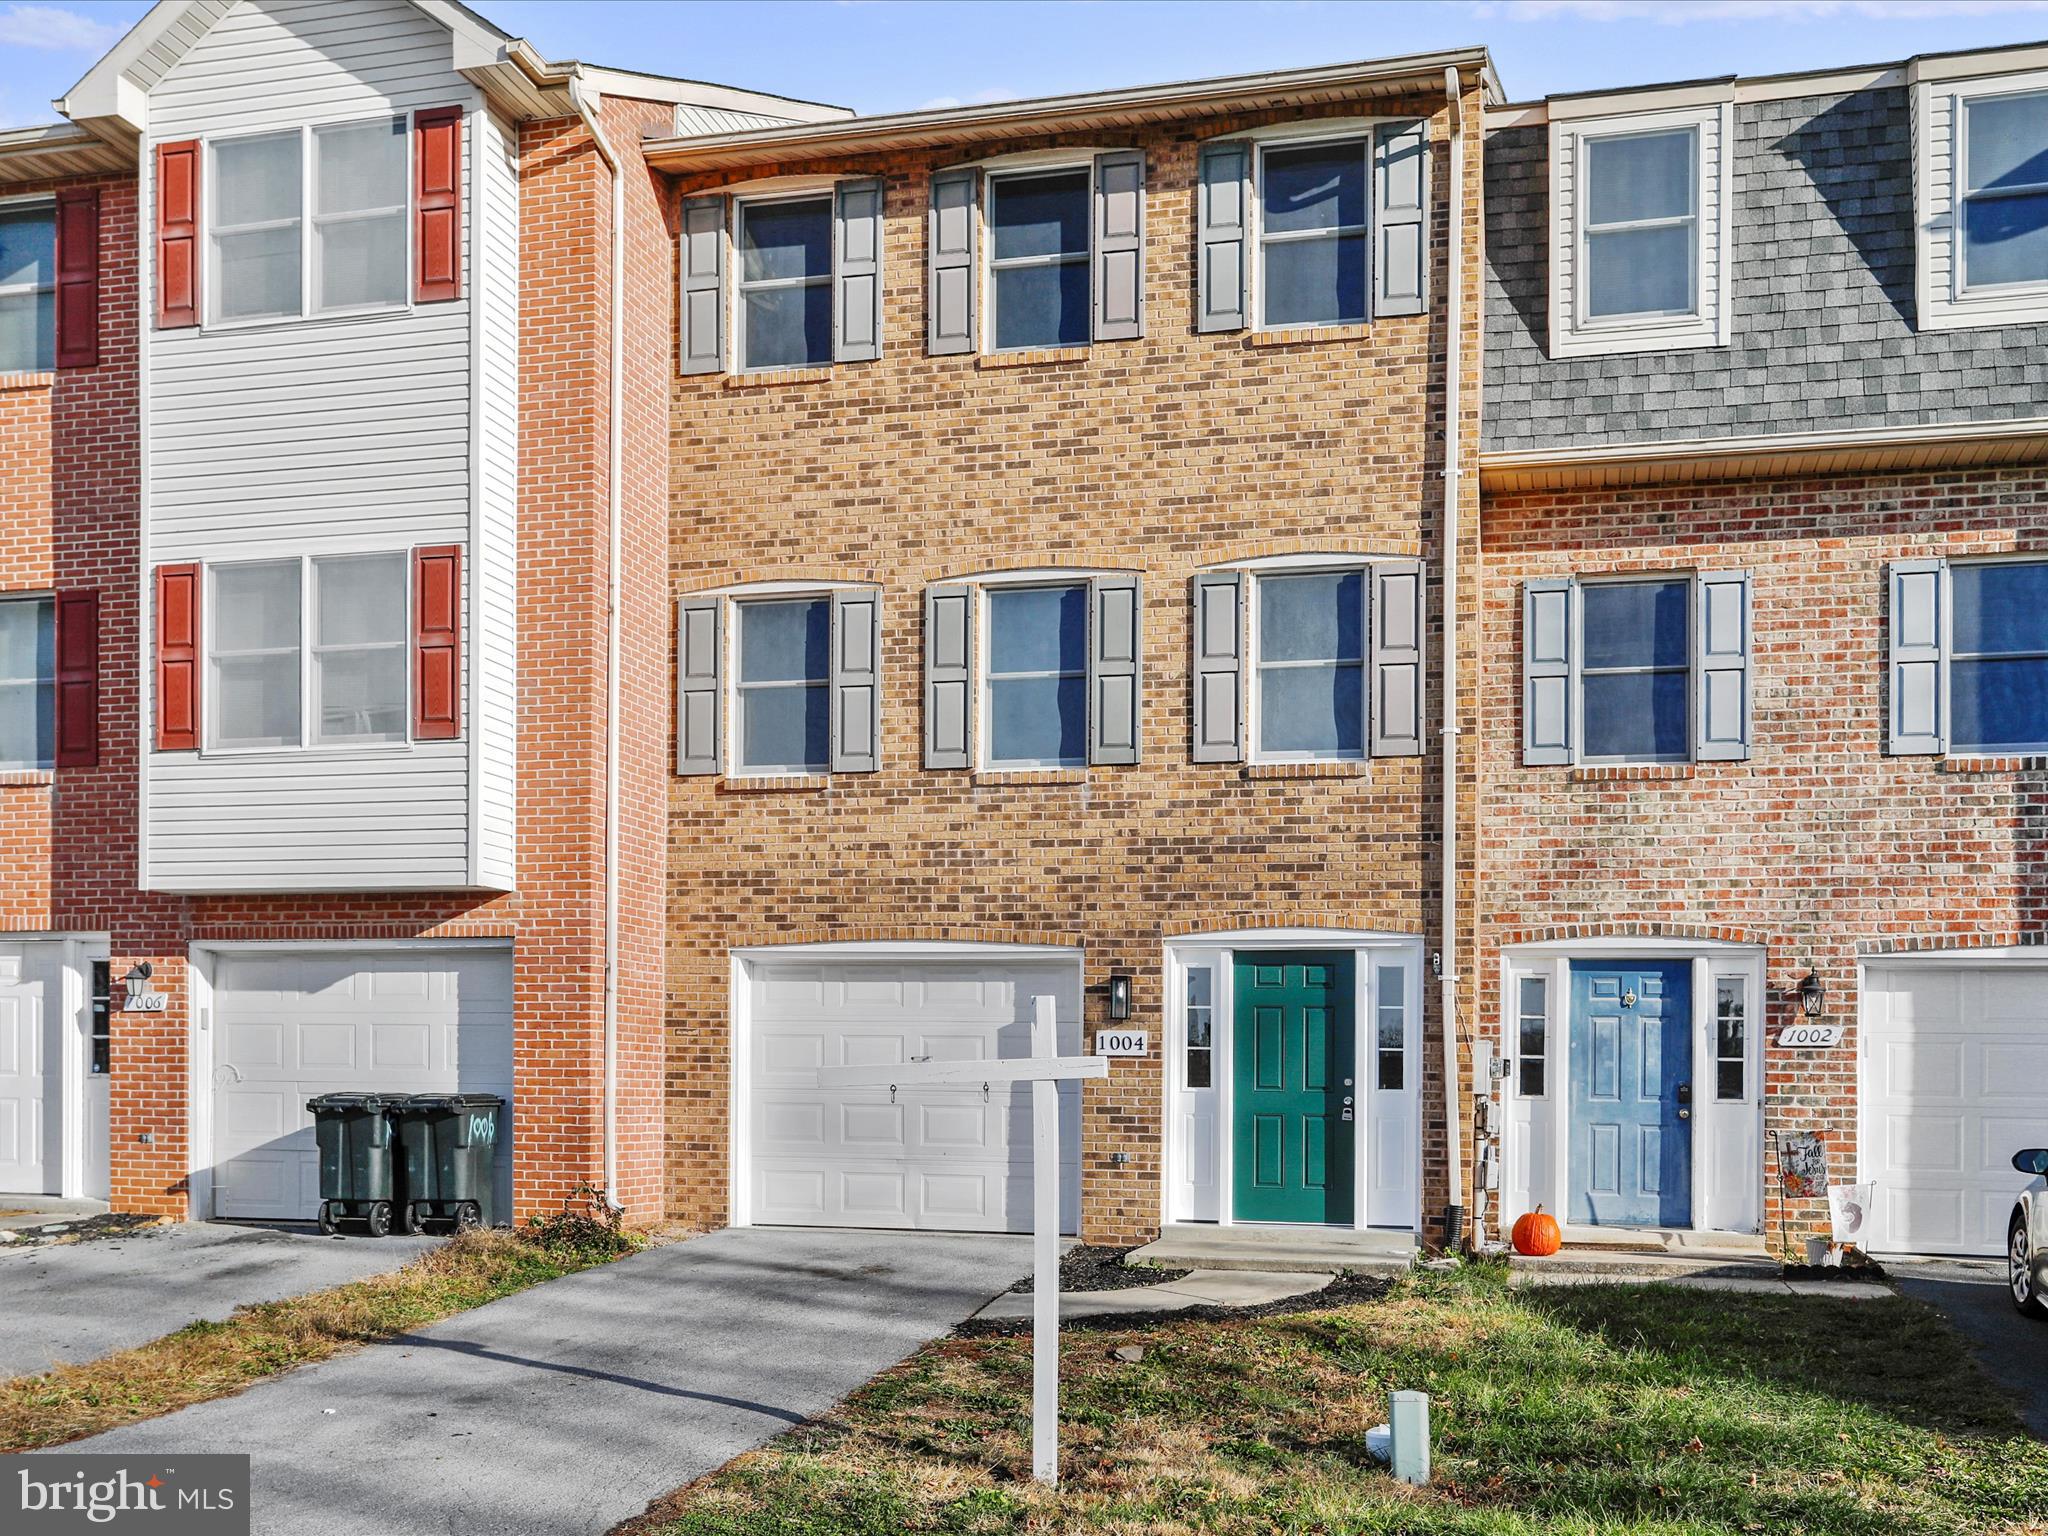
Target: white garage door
[(287, 1026), (942, 1159), (1955, 1080)]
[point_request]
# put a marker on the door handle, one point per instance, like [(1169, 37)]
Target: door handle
[(1347, 1098), (1685, 1114)]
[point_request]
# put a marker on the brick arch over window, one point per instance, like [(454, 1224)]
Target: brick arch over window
[(1564, 933), (1957, 944)]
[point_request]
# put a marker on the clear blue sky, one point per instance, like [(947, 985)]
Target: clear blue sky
[(887, 55)]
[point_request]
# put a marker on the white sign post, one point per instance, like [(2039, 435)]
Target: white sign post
[(1044, 1071)]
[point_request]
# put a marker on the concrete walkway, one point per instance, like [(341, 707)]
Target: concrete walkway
[(73, 1302), (572, 1406), (1197, 1288)]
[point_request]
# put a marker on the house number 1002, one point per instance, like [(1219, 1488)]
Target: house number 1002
[(1810, 1037)]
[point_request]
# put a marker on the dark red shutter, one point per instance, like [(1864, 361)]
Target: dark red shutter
[(437, 204), (437, 643), (177, 234), (177, 658), (78, 277), (78, 679)]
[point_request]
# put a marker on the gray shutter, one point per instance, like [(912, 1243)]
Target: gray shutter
[(1119, 242), (856, 681), (1919, 657), (1400, 197), (703, 264), (1394, 615), (1218, 668), (950, 234), (1549, 659), (1721, 652), (1226, 203), (699, 646), (857, 272), (948, 676), (1114, 648)]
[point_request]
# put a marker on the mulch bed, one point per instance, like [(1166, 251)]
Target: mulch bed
[(1344, 1291), (1085, 1267), (1862, 1269)]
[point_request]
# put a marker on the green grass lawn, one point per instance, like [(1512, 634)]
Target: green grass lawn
[(1612, 1409)]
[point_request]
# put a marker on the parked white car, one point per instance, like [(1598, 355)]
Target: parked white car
[(2027, 1238)]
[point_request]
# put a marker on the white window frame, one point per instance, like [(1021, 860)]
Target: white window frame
[(1689, 581), (307, 221), (1254, 662), (1352, 132), (1572, 332), (23, 765), (1023, 167), (1950, 656), (984, 639), (1941, 172), (15, 290), (308, 670), (734, 767), (825, 191)]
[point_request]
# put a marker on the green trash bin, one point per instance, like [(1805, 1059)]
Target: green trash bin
[(448, 1144), (356, 1163)]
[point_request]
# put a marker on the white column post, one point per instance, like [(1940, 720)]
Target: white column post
[(1045, 1256)]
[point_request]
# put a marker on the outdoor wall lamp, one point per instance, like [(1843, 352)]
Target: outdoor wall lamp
[(1119, 998), (1811, 996)]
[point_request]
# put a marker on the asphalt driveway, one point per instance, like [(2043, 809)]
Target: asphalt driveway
[(572, 1406), (70, 1302), (2012, 1349)]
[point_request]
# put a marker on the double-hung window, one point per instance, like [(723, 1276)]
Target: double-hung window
[(1037, 677), (346, 183), (28, 686), (1982, 192), (1313, 250), (785, 283), (1650, 668), (308, 652), (28, 286), (783, 691), (1969, 656), (1038, 259), (1639, 232), (1316, 660)]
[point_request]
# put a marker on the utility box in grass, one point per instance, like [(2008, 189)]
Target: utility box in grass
[(448, 1150)]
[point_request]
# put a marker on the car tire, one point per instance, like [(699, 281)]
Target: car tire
[(2023, 1280)]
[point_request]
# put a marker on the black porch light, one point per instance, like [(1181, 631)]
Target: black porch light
[(1811, 996), (1119, 998)]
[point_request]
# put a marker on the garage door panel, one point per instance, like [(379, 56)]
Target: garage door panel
[(400, 1046), (1956, 1081), (869, 1127)]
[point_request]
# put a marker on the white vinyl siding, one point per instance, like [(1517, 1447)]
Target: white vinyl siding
[(341, 435), (1947, 299), (1577, 332)]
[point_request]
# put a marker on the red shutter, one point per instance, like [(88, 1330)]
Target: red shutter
[(78, 679), (78, 277), (177, 658), (177, 234), (437, 204), (437, 643)]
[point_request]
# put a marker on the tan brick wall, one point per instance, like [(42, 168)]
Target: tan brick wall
[(1159, 455), (1820, 848)]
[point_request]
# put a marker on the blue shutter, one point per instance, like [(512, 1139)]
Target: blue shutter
[(703, 280), (1918, 648), (699, 647), (857, 271), (1400, 241), (1394, 618), (1224, 249), (856, 680), (1218, 668), (1721, 661), (1549, 668), (950, 258)]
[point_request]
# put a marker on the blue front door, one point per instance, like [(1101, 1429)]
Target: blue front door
[(1631, 1095)]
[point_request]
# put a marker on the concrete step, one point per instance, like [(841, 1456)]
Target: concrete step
[(1296, 1249)]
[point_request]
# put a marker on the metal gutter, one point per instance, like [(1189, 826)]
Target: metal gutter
[(1454, 1085)]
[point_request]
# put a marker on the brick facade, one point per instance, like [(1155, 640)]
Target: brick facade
[(1819, 848), (1158, 456)]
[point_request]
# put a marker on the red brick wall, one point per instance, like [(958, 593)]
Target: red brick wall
[(1158, 455), (1820, 847)]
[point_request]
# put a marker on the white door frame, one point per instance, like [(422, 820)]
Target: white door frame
[(72, 1005), (1998, 957), (739, 1056), (1365, 946), (1710, 959), (201, 958)]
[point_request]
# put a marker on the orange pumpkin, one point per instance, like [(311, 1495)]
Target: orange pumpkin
[(1536, 1234)]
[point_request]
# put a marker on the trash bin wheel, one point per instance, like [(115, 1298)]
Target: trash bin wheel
[(328, 1225), (468, 1216), (379, 1218), (411, 1219)]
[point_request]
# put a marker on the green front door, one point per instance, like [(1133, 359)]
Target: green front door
[(1291, 1083)]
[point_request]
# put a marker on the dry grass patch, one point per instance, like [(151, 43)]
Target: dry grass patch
[(203, 1361)]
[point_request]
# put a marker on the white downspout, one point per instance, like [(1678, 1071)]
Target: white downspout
[(1454, 1087), (586, 108)]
